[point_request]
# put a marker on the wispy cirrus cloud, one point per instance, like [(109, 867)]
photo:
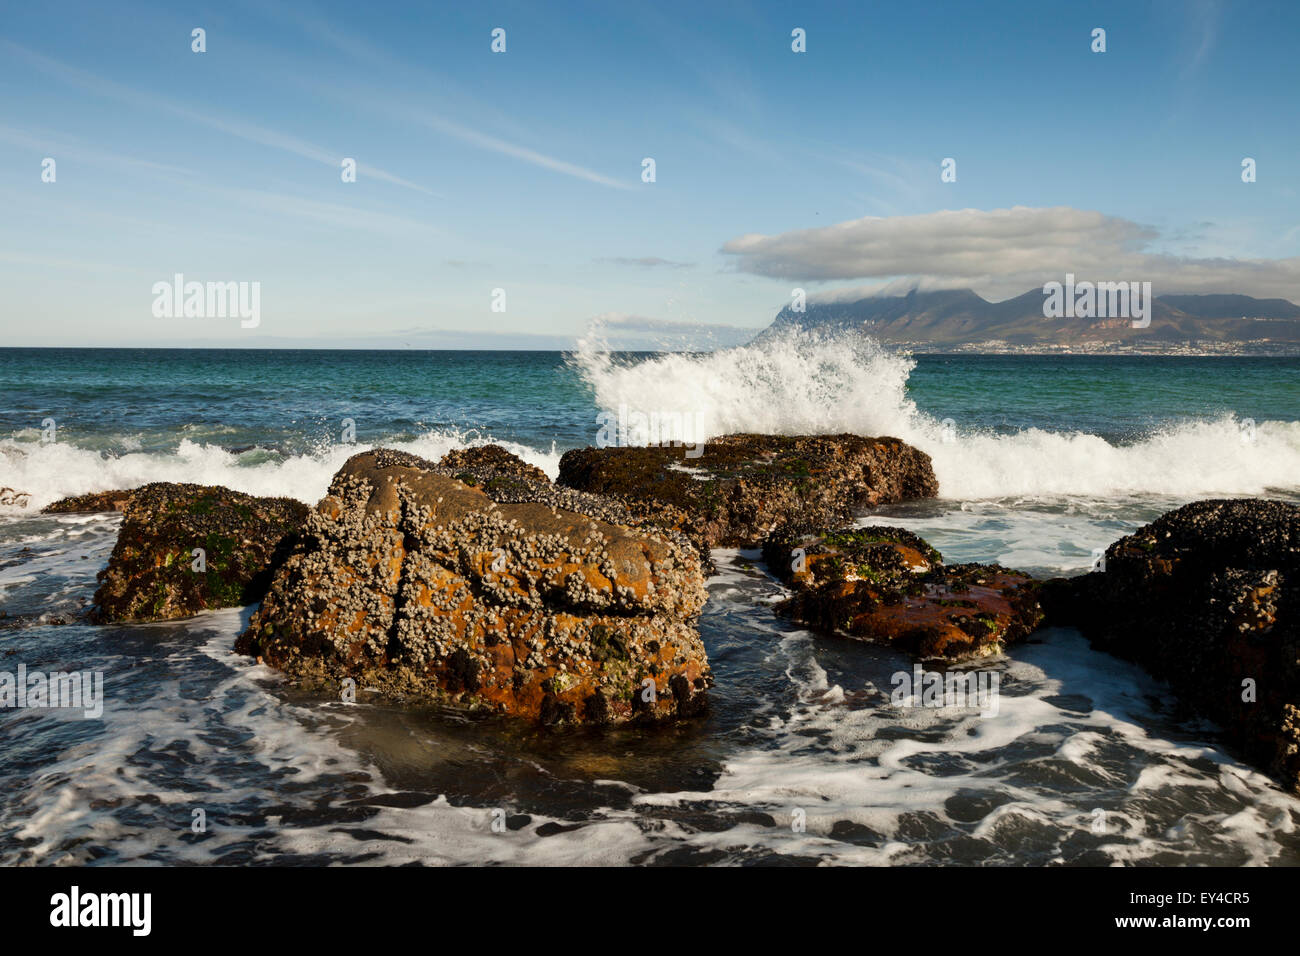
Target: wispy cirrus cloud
[(329, 213), (322, 30), (1203, 22), (409, 115), (482, 140), (249, 132), (645, 262), (61, 147)]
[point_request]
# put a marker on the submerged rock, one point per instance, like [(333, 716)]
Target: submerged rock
[(744, 488), (1207, 597), (154, 573), (96, 501), (888, 585), (542, 604)]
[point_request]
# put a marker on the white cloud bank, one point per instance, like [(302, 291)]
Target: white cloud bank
[(1003, 252)]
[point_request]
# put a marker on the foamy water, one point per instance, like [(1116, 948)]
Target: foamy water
[(803, 383), (60, 469), (804, 757)]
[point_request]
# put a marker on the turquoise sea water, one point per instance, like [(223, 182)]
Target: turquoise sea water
[(1040, 461), (293, 401)]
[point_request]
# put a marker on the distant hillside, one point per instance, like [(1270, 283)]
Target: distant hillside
[(1231, 306), (961, 317)]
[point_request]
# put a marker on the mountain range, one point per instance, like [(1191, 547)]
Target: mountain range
[(961, 317)]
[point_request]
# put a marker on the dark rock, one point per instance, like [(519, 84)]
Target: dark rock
[(489, 463), (13, 497), (93, 502), (745, 487), (1207, 597), (151, 574), (14, 622), (888, 585), (416, 584)]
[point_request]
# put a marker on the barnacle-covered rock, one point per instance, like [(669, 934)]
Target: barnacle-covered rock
[(96, 501), (541, 605), (484, 464)]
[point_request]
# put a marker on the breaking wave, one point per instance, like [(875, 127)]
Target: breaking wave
[(48, 472), (805, 383)]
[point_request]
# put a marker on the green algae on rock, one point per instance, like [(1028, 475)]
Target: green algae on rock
[(543, 605), (888, 585), (154, 572)]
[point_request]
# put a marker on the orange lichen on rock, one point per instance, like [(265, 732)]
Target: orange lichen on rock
[(522, 607), (887, 585)]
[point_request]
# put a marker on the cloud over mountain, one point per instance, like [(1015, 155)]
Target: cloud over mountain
[(1002, 251)]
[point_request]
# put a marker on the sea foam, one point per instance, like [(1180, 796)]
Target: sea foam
[(805, 383), (55, 470), (799, 383)]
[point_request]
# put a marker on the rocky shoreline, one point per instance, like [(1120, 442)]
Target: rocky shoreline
[(477, 583), (1207, 597)]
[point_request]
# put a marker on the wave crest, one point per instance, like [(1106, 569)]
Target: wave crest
[(56, 470), (801, 382)]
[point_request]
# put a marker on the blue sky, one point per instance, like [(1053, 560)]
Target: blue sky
[(522, 170)]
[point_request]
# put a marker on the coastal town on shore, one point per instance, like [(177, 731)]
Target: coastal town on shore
[(1189, 347)]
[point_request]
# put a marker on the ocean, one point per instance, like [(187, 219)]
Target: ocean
[(804, 759)]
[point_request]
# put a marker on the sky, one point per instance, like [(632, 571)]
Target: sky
[(522, 171)]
